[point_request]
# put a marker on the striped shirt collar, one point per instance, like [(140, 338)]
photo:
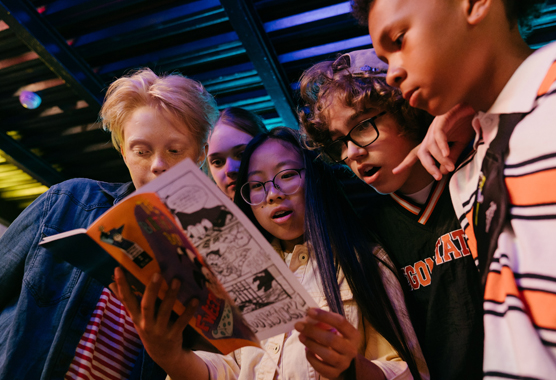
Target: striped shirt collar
[(423, 212)]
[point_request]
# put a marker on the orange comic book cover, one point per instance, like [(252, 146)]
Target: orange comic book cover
[(143, 237)]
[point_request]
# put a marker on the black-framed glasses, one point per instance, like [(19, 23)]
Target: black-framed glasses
[(363, 134), (286, 181)]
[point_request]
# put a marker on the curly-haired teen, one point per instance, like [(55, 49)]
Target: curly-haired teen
[(353, 116)]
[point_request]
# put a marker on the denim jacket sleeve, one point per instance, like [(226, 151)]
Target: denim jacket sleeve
[(15, 245), (45, 303)]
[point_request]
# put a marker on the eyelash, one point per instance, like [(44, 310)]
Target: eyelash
[(141, 152), (217, 163), (397, 41), (144, 152)]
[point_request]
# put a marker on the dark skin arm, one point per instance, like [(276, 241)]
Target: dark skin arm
[(161, 337), (455, 128)]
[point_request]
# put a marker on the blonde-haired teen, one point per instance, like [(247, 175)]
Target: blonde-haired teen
[(55, 321)]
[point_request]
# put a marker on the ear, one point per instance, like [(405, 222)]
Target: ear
[(202, 156), (477, 10)]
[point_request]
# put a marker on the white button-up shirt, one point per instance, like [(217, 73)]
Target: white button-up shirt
[(283, 356)]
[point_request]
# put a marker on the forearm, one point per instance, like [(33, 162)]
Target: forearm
[(367, 370), (188, 366)]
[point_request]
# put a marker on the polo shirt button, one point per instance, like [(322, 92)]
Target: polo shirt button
[(488, 120), (276, 348)]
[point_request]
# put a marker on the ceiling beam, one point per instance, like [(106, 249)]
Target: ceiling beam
[(249, 28), (29, 162), (25, 22), (53, 50)]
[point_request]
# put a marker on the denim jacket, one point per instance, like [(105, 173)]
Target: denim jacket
[(45, 304)]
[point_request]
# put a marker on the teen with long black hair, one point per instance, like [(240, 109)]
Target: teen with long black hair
[(342, 249), (297, 203)]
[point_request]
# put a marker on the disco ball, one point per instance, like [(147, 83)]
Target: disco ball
[(29, 100)]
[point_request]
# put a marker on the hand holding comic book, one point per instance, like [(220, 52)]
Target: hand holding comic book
[(181, 226), (162, 339)]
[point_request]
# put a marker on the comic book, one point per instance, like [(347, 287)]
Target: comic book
[(182, 226)]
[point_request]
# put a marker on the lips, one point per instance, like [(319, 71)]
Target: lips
[(410, 98), (369, 174), (368, 170), (280, 213), (371, 171)]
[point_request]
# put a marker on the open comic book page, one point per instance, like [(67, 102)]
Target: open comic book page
[(256, 278)]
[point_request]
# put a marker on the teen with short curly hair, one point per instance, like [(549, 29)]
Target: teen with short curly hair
[(354, 117)]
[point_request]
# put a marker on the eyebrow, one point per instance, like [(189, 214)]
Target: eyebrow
[(384, 36), (384, 41), (334, 134), (358, 114), (280, 165), (236, 147), (137, 140)]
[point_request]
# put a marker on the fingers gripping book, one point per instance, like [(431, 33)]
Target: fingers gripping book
[(182, 226)]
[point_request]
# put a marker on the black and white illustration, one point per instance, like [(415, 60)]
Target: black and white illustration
[(255, 277)]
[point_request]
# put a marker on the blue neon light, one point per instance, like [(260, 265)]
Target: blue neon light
[(307, 17), (350, 44)]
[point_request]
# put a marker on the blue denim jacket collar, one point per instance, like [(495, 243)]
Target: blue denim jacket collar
[(117, 191)]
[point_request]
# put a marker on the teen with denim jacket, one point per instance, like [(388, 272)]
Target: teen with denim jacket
[(46, 305)]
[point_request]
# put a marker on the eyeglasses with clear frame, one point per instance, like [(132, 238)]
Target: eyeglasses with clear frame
[(363, 134), (286, 181)]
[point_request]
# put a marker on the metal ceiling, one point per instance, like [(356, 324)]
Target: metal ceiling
[(247, 53)]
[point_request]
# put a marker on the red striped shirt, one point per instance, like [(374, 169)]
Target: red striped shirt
[(110, 345)]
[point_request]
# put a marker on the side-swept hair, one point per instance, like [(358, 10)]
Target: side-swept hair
[(337, 239), (181, 99), (319, 87), (243, 120)]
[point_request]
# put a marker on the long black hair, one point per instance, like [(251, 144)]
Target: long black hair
[(338, 239)]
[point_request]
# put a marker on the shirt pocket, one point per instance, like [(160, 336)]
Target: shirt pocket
[(49, 279)]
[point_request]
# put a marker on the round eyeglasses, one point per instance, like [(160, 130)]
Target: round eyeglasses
[(286, 181), (363, 134)]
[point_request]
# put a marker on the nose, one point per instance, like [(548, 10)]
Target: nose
[(232, 167), (273, 194), (395, 75), (355, 152), (159, 164)]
